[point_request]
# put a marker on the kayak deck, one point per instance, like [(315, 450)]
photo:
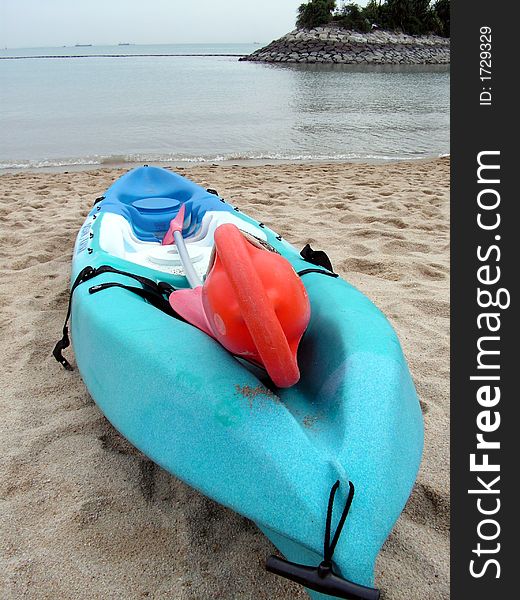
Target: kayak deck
[(270, 454)]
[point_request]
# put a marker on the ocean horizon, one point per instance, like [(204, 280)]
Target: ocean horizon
[(175, 104)]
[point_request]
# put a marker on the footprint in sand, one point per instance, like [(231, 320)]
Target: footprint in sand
[(432, 272), (429, 506), (385, 270)]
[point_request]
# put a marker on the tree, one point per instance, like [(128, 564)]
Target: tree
[(410, 16), (315, 13), (441, 8), (372, 11), (351, 16)]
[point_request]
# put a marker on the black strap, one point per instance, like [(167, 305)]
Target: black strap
[(155, 299), (160, 287), (328, 546), (84, 275), (152, 291), (316, 257), (305, 271), (322, 578)]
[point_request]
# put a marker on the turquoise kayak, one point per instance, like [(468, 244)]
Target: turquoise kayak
[(324, 467)]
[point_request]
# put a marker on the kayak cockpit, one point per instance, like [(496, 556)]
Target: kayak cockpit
[(117, 237), (151, 198)]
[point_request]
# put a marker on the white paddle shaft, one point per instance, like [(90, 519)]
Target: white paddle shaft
[(191, 275)]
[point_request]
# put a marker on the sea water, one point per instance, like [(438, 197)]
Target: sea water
[(176, 104)]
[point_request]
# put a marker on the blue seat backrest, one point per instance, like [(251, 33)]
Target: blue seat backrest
[(150, 197)]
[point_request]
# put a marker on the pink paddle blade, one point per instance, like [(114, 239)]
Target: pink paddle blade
[(188, 304), (175, 225)]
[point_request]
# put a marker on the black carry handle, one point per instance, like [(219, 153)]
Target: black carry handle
[(320, 579)]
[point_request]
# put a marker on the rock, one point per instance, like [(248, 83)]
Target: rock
[(332, 44)]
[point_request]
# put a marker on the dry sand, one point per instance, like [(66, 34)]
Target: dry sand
[(83, 514)]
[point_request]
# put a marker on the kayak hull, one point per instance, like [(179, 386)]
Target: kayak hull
[(269, 454)]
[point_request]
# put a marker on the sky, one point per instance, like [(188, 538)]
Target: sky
[(39, 23)]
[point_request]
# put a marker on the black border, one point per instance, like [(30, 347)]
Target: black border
[(476, 128)]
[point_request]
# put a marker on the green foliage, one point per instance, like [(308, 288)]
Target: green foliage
[(415, 17), (441, 8), (351, 16), (372, 11), (411, 16), (315, 13)]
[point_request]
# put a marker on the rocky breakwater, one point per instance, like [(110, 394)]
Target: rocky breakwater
[(336, 45)]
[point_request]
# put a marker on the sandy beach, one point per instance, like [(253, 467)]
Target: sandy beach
[(83, 514)]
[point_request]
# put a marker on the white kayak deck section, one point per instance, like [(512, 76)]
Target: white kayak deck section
[(118, 238)]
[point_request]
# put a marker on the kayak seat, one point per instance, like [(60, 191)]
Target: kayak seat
[(150, 198), (151, 216), (118, 237), (153, 205)]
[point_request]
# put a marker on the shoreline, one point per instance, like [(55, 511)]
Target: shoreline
[(246, 162)]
